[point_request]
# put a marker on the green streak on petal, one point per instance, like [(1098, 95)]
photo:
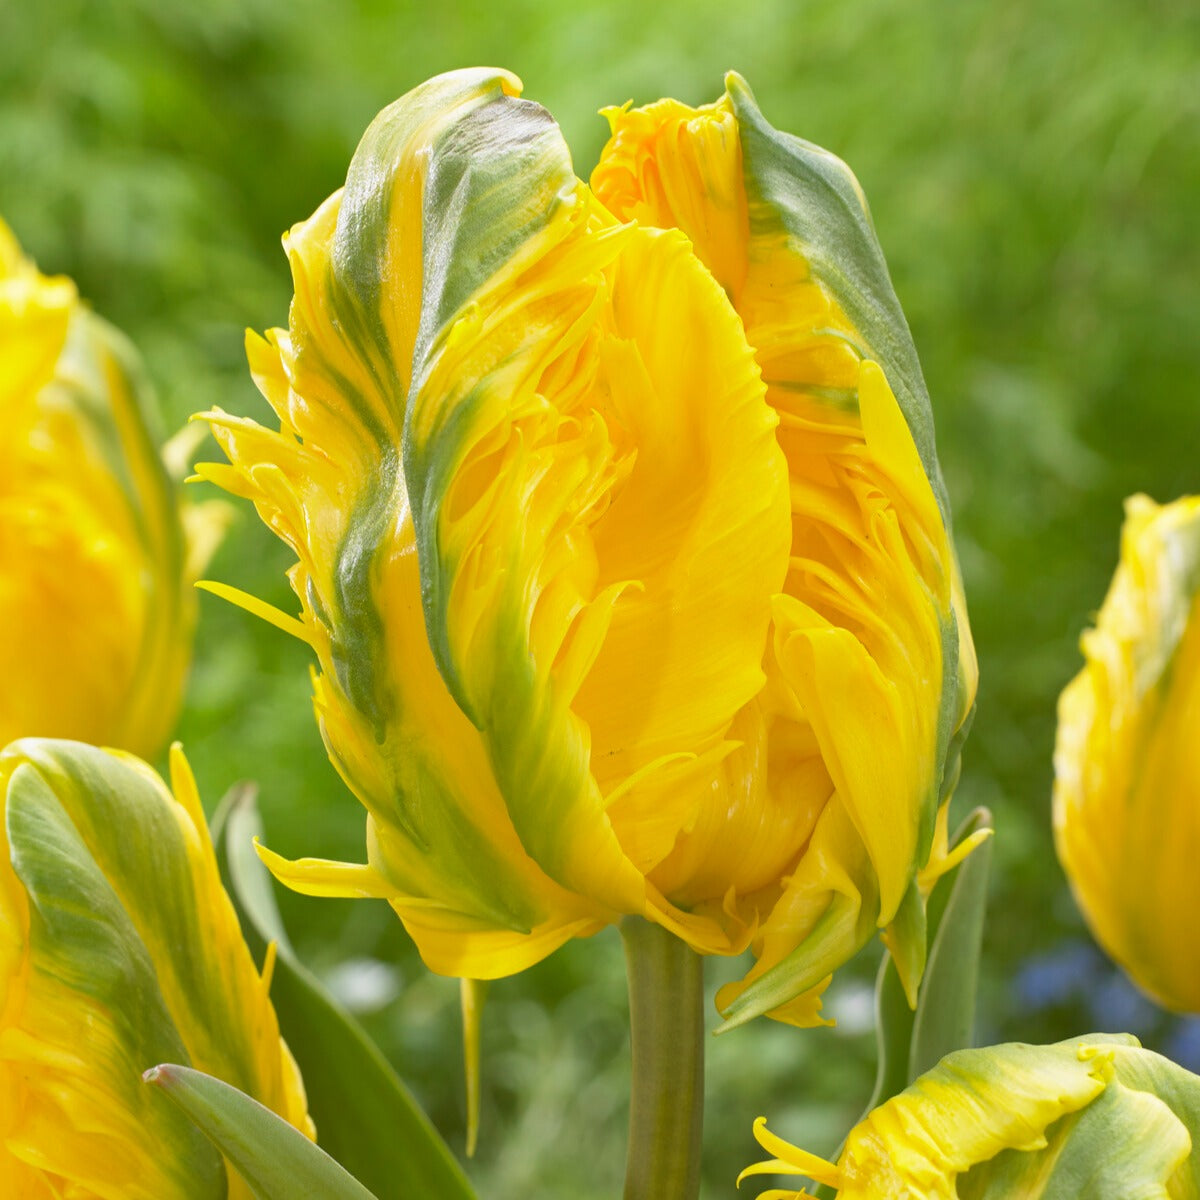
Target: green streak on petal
[(141, 844), (357, 636), (813, 196), (365, 217), (479, 210), (816, 198), (83, 940), (497, 180), (844, 928)]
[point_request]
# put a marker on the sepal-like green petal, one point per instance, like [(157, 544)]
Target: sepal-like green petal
[(816, 198)]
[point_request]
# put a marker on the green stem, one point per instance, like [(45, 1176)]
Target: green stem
[(666, 1018)]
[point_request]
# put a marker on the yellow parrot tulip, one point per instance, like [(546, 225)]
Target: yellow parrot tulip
[(621, 541), (1127, 760), (1095, 1117), (97, 554), (119, 950)]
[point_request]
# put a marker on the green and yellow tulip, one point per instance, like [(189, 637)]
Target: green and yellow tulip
[(1127, 761), (119, 950), (1095, 1117), (621, 541), (97, 554)]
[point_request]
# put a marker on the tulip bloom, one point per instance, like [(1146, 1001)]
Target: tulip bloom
[(1127, 760), (97, 555), (1095, 1117), (119, 950), (621, 541)]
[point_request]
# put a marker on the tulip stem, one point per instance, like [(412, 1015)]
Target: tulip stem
[(666, 1018)]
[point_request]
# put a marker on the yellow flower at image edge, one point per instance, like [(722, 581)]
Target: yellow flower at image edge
[(1095, 1117), (119, 950), (97, 554), (1127, 760), (621, 542)]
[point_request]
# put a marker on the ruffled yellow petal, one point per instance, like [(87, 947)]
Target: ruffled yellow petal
[(870, 670)]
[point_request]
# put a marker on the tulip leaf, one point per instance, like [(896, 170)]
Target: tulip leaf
[(893, 1034), (945, 1014), (274, 1158), (365, 1116), (910, 1043)]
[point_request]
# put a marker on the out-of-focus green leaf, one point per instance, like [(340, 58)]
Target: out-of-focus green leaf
[(893, 1045), (909, 1043), (365, 1116), (274, 1158), (893, 1034), (945, 1015)]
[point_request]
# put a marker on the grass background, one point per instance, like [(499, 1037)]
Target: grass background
[(1034, 174)]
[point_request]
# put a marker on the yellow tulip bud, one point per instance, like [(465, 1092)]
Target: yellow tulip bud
[(1127, 760), (1095, 1117), (622, 553), (97, 553), (119, 950)]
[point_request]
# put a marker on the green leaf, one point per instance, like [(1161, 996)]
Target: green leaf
[(365, 1116), (945, 1016), (909, 1042), (274, 1158), (893, 1034)]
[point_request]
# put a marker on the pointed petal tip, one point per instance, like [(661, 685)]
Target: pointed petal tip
[(734, 1018), (735, 81)]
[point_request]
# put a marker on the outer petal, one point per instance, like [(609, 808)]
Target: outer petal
[(120, 949), (867, 684), (1127, 761), (332, 484)]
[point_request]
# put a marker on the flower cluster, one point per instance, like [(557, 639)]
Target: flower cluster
[(625, 558)]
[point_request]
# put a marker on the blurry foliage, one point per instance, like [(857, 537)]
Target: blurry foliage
[(1033, 173)]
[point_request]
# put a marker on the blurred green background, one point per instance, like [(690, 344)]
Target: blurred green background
[(1034, 173)]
